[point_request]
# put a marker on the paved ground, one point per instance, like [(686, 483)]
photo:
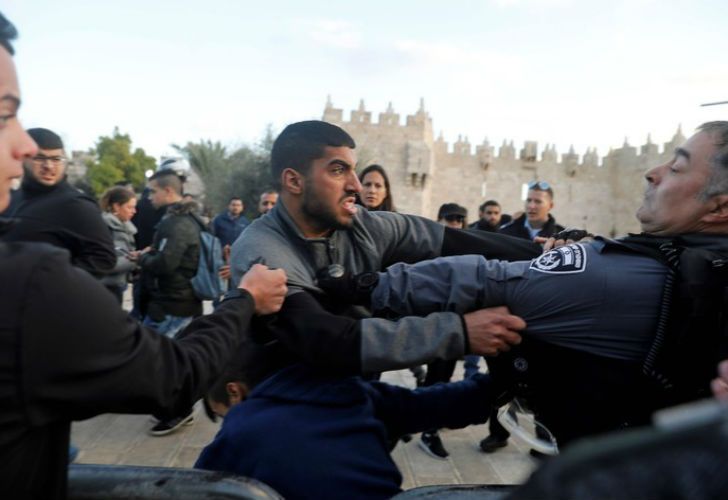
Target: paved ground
[(122, 439)]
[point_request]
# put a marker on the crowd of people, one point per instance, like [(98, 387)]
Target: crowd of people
[(329, 287)]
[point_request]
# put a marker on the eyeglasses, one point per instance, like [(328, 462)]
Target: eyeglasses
[(539, 185), (52, 160)]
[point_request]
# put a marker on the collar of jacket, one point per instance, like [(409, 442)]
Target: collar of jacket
[(283, 218), (31, 187), (550, 221), (113, 222), (182, 208), (6, 223), (709, 241), (323, 251)]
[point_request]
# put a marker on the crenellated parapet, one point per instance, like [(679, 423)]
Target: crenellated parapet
[(600, 193)]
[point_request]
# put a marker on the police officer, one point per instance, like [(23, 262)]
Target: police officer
[(591, 308)]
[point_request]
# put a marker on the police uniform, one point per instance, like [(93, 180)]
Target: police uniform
[(591, 311)]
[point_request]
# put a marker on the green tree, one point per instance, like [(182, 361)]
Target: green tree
[(245, 172), (115, 161)]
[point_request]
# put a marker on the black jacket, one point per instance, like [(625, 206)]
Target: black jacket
[(64, 217), (173, 263), (68, 352), (484, 225), (517, 229)]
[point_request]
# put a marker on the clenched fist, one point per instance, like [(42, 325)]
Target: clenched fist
[(267, 286)]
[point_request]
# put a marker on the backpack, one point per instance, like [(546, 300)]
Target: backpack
[(206, 282)]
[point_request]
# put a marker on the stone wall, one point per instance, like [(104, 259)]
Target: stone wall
[(601, 194)]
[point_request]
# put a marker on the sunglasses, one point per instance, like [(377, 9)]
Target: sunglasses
[(542, 185), (453, 218)]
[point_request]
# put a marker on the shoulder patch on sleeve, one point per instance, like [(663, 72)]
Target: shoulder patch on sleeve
[(568, 259)]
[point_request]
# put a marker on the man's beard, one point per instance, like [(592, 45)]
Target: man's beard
[(320, 216)]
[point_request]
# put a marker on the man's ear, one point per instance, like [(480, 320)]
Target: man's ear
[(292, 181), (719, 213)]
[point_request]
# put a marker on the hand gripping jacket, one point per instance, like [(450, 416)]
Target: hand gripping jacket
[(574, 393)]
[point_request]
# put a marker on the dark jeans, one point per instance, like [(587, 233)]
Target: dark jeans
[(439, 371)]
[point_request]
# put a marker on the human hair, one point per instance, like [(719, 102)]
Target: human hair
[(718, 180), (233, 198), (387, 204), (45, 139), (8, 33), (489, 203), (218, 390), (301, 143), (252, 363), (115, 195), (168, 179), (268, 191)]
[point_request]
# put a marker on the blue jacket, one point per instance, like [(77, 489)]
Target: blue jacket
[(310, 435), (227, 228)]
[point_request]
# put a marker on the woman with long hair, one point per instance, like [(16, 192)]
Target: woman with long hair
[(376, 195), (375, 191), (119, 206)]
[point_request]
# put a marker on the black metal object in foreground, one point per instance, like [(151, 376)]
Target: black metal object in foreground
[(115, 482)]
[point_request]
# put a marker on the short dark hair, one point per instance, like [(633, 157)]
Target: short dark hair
[(8, 33), (301, 143), (718, 180), (489, 203), (45, 139), (269, 191), (115, 195), (388, 202), (233, 198), (252, 363), (168, 178)]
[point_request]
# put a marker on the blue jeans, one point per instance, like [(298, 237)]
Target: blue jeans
[(170, 325)]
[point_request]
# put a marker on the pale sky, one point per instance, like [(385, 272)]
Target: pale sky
[(581, 72)]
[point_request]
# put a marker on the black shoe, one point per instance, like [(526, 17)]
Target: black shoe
[(537, 454), (492, 443), (165, 427), (432, 444)]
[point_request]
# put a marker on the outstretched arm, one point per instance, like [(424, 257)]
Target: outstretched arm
[(458, 284), (356, 346), (347, 345), (86, 356), (453, 405)]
